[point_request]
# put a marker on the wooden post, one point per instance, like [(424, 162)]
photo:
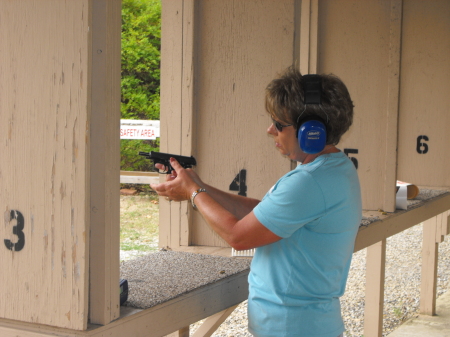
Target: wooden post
[(303, 39), (446, 228), (443, 224), (177, 104), (305, 48), (429, 267), (375, 272), (392, 108), (105, 162)]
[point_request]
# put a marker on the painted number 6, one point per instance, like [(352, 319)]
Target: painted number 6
[(422, 147), (17, 230)]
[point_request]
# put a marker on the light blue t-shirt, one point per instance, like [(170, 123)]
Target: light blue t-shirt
[(295, 283)]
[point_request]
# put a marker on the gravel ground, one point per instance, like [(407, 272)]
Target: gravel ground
[(402, 287)]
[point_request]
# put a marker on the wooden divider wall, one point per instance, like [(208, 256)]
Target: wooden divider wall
[(44, 158), (424, 137), (390, 54), (236, 59), (59, 161)]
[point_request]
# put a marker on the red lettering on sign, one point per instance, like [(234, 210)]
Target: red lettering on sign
[(139, 132)]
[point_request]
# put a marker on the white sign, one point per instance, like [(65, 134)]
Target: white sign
[(139, 129)]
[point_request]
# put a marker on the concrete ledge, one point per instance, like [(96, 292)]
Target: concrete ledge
[(429, 326)]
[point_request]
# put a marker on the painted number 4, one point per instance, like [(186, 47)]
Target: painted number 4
[(239, 183), (16, 230)]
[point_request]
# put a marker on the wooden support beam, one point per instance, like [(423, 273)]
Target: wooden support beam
[(137, 177), (443, 226), (375, 272), (446, 229), (182, 227), (184, 332), (301, 52), (177, 107), (429, 267), (213, 322), (305, 50), (392, 111)]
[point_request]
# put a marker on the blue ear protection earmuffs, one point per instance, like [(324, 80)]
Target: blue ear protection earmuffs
[(312, 135), (311, 130)]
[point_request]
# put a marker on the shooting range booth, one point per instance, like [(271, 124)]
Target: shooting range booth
[(59, 157)]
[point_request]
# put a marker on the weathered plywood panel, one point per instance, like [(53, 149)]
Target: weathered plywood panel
[(44, 80), (241, 46), (355, 43), (424, 120)]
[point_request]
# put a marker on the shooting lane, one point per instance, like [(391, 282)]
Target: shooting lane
[(212, 93), (393, 60), (60, 86)]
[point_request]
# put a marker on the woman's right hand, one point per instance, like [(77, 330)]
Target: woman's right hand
[(179, 184)]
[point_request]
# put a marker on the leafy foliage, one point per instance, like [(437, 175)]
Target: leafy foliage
[(130, 160), (140, 84)]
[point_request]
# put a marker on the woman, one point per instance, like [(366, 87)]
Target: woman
[(305, 226)]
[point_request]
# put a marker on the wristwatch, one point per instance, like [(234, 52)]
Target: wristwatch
[(194, 194)]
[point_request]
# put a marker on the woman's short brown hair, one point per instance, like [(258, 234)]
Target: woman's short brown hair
[(285, 103)]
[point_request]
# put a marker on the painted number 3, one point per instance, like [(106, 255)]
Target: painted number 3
[(16, 230)]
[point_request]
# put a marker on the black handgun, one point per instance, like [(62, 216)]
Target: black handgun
[(164, 158)]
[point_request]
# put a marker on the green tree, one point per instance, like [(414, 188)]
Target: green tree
[(140, 83)]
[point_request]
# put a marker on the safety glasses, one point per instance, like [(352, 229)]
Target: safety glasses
[(279, 126)]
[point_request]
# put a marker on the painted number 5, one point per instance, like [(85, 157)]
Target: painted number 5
[(353, 159), (16, 230)]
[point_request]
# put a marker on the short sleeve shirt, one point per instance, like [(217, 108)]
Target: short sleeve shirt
[(295, 283)]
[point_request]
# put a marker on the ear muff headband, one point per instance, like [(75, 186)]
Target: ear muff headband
[(312, 130), (312, 88)]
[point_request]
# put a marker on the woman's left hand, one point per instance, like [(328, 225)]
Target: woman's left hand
[(179, 185)]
